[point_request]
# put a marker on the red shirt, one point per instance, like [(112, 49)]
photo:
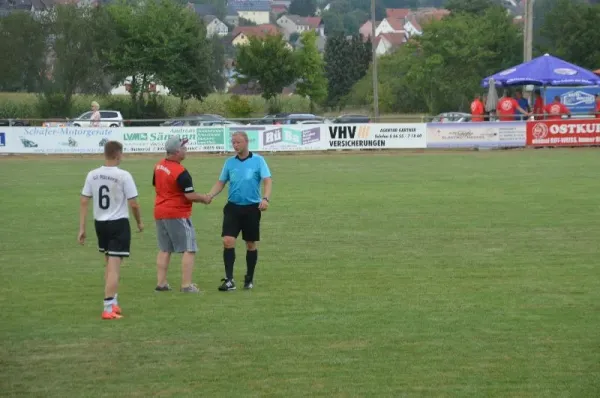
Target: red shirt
[(477, 111), (555, 110), (171, 182), (597, 110), (538, 108), (506, 109)]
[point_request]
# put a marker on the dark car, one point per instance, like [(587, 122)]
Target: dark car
[(198, 120), (286, 118), (350, 119), (6, 123)]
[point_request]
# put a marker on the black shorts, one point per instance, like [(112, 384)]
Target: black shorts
[(244, 218), (114, 237)]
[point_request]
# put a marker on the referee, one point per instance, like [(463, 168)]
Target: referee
[(244, 172)]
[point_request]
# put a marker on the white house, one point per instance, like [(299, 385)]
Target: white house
[(291, 24), (390, 25), (214, 26), (257, 11), (412, 27), (386, 43)]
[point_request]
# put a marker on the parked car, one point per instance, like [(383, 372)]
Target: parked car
[(318, 120), (286, 118), (350, 119), (199, 120), (6, 123), (452, 117), (107, 119)]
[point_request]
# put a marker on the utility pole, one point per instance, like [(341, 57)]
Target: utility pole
[(528, 31), (374, 61)]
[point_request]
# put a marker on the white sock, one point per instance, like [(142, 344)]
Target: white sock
[(116, 302), (108, 305)]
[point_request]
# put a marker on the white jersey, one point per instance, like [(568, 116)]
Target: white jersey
[(110, 188)]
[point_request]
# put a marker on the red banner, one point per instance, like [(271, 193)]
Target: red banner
[(565, 132)]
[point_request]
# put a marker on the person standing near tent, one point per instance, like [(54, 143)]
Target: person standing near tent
[(556, 109), (523, 103), (477, 110), (507, 107), (538, 106)]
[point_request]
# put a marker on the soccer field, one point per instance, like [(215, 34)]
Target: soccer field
[(458, 274)]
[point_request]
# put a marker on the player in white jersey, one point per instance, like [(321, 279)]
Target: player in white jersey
[(111, 189)]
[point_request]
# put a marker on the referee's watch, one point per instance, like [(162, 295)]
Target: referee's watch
[(267, 199)]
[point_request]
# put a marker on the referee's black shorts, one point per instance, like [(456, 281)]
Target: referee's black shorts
[(244, 218), (114, 237)]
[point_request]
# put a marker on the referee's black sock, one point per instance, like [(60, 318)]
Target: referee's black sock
[(251, 259), (229, 260)]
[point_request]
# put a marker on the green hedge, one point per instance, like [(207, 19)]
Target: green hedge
[(23, 105)]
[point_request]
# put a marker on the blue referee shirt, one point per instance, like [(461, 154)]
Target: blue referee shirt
[(244, 178)]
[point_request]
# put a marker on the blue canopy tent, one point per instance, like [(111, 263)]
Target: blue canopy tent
[(543, 71)]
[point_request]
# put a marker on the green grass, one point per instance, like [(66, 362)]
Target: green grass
[(455, 274)]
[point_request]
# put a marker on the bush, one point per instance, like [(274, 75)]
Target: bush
[(238, 107), (27, 106), (53, 105)]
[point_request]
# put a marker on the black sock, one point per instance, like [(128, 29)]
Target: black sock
[(229, 260), (251, 259)]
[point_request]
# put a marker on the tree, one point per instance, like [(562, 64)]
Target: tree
[(334, 23), (172, 50), (246, 22), (477, 7), (269, 62), (77, 38), (303, 8), (441, 70), (311, 70), (346, 16), (220, 6), (570, 30), (455, 53), (346, 62), (218, 67), (23, 45), (294, 38)]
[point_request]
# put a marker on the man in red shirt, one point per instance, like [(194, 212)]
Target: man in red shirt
[(556, 109), (506, 108), (477, 109), (538, 106), (597, 111), (173, 214)]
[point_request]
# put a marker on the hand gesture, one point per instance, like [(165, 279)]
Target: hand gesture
[(264, 205), (81, 236), (140, 226), (208, 199)]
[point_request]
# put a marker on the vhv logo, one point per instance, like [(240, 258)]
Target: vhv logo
[(574, 98), (2, 139)]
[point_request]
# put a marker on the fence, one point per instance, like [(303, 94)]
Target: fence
[(318, 137)]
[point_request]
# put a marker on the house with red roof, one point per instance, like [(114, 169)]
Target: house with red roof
[(365, 29), (387, 43), (390, 25), (290, 24), (241, 35), (278, 9), (412, 27), (397, 13)]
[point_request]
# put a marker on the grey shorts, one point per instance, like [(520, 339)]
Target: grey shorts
[(176, 235)]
